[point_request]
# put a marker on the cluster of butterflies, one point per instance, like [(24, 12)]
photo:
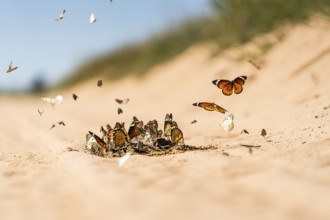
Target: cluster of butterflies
[(140, 138), (228, 88)]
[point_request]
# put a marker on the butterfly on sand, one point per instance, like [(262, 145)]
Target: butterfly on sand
[(61, 16), (208, 106), (11, 68), (95, 144), (229, 86), (136, 128), (176, 134), (168, 125), (120, 137)]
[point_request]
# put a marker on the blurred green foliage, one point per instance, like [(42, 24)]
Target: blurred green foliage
[(232, 22)]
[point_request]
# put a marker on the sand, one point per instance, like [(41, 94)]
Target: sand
[(287, 177)]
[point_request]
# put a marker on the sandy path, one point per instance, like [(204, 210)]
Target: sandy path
[(286, 178)]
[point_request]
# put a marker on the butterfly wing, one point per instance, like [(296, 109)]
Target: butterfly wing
[(238, 84), (219, 109)]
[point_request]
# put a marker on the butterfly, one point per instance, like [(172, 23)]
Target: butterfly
[(136, 128), (228, 123), (120, 138), (244, 131), (100, 83), (210, 106), (257, 66), (53, 101), (229, 86), (61, 123), (176, 134), (95, 144), (168, 125), (124, 101), (10, 68), (92, 18), (40, 112), (119, 111), (61, 16), (74, 96)]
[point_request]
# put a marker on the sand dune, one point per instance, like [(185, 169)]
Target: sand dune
[(286, 178)]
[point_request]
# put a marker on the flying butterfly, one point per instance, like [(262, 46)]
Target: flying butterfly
[(122, 101), (228, 123), (100, 83), (229, 86), (208, 106), (61, 16), (74, 96), (61, 123), (92, 18), (245, 131), (53, 101), (40, 112), (11, 68), (257, 66), (119, 111)]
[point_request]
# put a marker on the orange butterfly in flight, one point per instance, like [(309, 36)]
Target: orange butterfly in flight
[(229, 86), (210, 106)]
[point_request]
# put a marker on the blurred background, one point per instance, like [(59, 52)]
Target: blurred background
[(128, 36)]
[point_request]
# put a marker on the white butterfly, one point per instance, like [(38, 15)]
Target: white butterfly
[(92, 18), (228, 123), (53, 101), (121, 161), (61, 16)]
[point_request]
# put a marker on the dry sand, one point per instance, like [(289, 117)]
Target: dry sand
[(288, 177)]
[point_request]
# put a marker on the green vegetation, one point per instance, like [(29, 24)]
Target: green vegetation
[(233, 22)]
